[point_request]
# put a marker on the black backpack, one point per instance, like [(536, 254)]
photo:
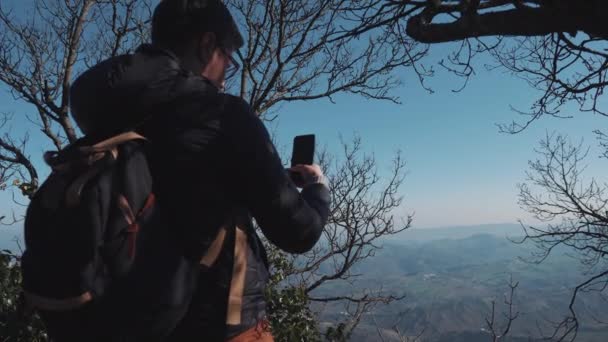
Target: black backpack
[(100, 263)]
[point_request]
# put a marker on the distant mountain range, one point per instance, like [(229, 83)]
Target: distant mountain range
[(8, 234), (451, 275), (458, 232)]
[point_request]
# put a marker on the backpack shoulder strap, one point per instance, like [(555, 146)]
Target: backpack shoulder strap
[(95, 157), (88, 154), (112, 143)]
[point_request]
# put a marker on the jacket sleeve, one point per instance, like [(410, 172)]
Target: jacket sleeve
[(290, 219)]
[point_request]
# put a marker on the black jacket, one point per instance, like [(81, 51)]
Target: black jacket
[(212, 160)]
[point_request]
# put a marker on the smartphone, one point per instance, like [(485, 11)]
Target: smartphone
[(303, 153), (303, 150)]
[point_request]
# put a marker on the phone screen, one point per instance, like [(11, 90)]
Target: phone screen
[(303, 150)]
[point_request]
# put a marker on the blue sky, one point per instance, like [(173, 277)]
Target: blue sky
[(461, 170)]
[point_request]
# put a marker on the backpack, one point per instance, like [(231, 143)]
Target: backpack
[(99, 259)]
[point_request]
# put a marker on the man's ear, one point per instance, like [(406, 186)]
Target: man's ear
[(207, 44)]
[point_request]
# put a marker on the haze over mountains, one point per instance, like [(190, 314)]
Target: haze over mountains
[(458, 232), (451, 275)]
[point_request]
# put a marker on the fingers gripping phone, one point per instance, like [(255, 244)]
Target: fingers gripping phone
[(303, 153)]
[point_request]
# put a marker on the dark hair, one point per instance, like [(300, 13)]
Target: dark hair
[(176, 22)]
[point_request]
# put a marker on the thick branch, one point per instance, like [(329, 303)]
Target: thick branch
[(18, 157), (71, 55), (515, 22)]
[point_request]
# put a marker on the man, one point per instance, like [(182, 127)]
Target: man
[(213, 163)]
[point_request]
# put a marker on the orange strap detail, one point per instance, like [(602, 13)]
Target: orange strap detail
[(132, 220)]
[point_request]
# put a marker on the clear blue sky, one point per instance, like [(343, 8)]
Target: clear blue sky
[(461, 170)]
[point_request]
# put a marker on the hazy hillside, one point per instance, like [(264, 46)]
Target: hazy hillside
[(450, 280), (458, 232), (449, 277)]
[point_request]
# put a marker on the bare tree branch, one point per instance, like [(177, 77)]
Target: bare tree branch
[(298, 51), (495, 18), (41, 54), (497, 334), (12, 159), (557, 46), (397, 331), (361, 216), (576, 212)]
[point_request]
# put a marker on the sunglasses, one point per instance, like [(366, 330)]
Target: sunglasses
[(234, 66)]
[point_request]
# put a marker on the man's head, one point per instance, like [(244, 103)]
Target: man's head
[(201, 32)]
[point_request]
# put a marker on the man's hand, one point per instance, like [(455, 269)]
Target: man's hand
[(308, 174)]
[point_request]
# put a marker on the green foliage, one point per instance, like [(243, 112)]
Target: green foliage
[(338, 333), (27, 189), (289, 307), (288, 310), (15, 324)]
